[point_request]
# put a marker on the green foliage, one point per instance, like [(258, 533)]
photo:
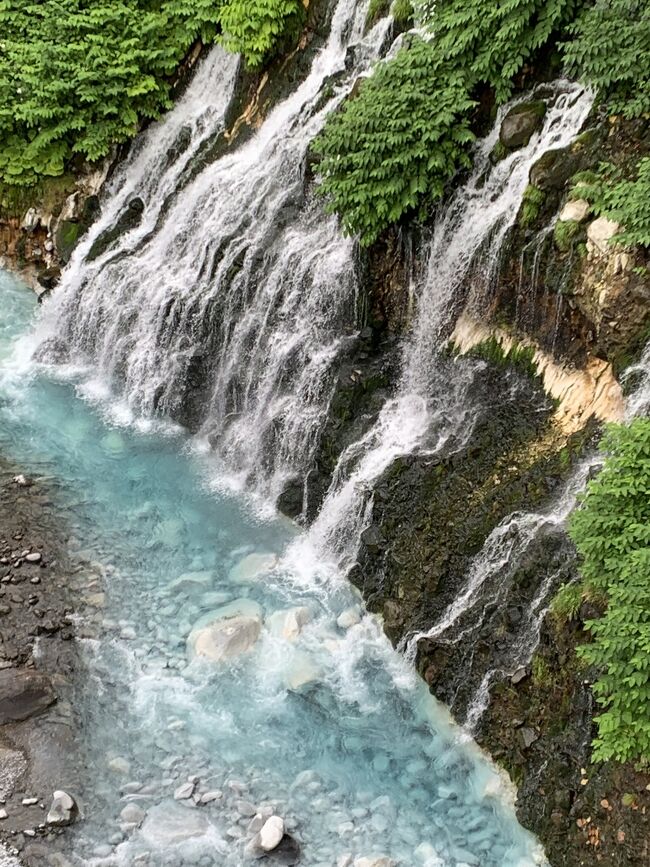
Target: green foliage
[(612, 532), (565, 234), (395, 146), (78, 76), (567, 602), (609, 49), (531, 204), (492, 41), (626, 201), (397, 143), (254, 27)]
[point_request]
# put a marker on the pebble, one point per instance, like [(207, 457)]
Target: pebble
[(3, 813), (29, 802), (184, 792), (34, 557), (272, 833)]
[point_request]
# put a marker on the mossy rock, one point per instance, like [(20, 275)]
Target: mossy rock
[(67, 237)]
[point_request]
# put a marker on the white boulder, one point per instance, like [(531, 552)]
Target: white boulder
[(348, 618), (576, 210), (599, 234), (301, 671), (227, 632), (62, 810)]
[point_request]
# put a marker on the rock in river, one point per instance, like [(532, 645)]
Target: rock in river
[(226, 632)]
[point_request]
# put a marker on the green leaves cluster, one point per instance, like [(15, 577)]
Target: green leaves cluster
[(612, 533), (624, 200), (254, 27), (402, 138), (609, 48), (394, 147), (78, 76)]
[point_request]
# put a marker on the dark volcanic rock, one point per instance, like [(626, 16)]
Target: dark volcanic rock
[(23, 693), (521, 122)]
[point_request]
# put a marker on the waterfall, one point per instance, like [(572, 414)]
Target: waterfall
[(430, 409), (227, 306), (507, 551)]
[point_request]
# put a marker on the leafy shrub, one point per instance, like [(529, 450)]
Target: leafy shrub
[(612, 532), (78, 76), (626, 201), (609, 49), (400, 140), (254, 27)]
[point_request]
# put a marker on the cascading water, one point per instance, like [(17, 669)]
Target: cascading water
[(240, 284), (431, 410)]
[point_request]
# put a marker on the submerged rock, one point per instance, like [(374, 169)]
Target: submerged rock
[(227, 632), (252, 568), (288, 624), (169, 824)]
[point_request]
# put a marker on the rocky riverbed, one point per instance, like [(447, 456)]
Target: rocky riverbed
[(37, 665)]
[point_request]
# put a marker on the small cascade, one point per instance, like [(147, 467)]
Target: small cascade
[(510, 583), (227, 306), (430, 411), (499, 612)]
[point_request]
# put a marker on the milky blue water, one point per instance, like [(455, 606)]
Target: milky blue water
[(325, 725)]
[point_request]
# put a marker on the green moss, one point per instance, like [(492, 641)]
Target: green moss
[(565, 234), (48, 195), (520, 357), (541, 672), (567, 602), (531, 205)]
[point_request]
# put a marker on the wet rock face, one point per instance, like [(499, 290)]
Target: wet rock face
[(540, 729)]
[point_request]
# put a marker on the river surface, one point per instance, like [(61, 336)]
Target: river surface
[(323, 724)]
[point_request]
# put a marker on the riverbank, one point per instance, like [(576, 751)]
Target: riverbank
[(38, 662)]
